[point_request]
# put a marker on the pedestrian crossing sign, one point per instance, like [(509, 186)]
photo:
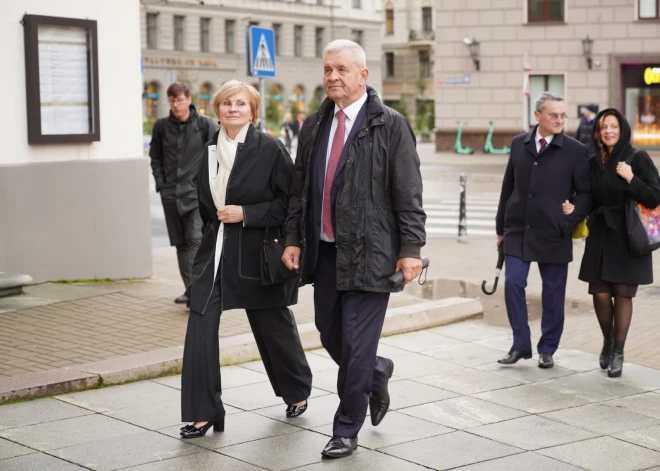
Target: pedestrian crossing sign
[(261, 44)]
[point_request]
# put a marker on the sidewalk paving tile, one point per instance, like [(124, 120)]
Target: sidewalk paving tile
[(320, 411), (256, 396), (420, 341), (413, 365), (450, 450), (601, 419), (532, 398), (526, 371), (140, 448), (35, 412), (159, 414), (239, 428), (463, 412), (594, 386), (500, 343), (604, 454), (641, 376), (204, 461), (327, 380), (522, 462), (364, 461), (121, 396), (647, 437), (406, 393), (468, 381), (37, 462), (646, 404), (469, 354), (10, 449), (576, 360), (531, 433), (282, 452), (468, 331), (394, 429), (69, 432)]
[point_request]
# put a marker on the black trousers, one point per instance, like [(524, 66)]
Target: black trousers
[(281, 351), (190, 227), (350, 323)]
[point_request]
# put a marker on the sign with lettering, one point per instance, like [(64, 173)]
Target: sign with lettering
[(652, 75), (182, 61)]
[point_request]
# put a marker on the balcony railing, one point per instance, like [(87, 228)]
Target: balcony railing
[(417, 35)]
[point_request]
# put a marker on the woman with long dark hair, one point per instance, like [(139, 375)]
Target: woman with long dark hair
[(612, 272)]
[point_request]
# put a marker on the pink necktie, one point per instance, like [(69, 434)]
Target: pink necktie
[(335, 153), (543, 143)]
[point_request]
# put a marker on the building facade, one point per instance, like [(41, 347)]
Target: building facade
[(204, 44), (493, 57), (408, 56)]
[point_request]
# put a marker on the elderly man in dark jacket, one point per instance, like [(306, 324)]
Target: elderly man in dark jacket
[(355, 217), (545, 168), (176, 149), (585, 132)]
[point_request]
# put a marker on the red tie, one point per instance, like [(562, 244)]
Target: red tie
[(543, 143), (335, 153)]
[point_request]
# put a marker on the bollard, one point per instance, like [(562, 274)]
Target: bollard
[(462, 217)]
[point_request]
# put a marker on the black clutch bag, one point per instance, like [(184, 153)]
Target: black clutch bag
[(273, 270)]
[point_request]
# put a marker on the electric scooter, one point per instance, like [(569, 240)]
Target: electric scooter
[(488, 147), (458, 147)]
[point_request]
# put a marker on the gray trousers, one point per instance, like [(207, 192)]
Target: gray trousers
[(191, 225)]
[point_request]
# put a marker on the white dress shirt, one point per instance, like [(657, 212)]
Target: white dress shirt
[(538, 137), (351, 112)]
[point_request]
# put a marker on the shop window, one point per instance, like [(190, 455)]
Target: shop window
[(545, 10), (230, 27), (152, 30), (297, 40), (389, 65), (205, 95), (298, 99), (205, 34), (389, 19), (539, 84), (649, 9), (319, 41), (642, 103), (178, 32), (150, 106)]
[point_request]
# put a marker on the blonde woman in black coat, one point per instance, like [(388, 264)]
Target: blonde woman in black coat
[(244, 176), (612, 272)]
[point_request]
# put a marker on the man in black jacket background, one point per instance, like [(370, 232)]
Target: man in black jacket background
[(176, 149), (545, 168), (585, 132), (355, 217)]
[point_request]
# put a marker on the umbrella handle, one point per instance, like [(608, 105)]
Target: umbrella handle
[(483, 284)]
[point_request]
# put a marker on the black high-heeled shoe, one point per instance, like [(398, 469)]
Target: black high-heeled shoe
[(197, 432), (187, 427), (606, 352), (296, 411)]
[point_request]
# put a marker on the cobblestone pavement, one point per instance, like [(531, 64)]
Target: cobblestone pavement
[(452, 407)]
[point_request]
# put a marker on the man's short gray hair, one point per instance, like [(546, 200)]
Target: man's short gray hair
[(545, 96), (339, 45)]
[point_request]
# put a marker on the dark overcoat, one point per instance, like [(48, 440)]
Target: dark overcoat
[(259, 179), (535, 185), (607, 221)]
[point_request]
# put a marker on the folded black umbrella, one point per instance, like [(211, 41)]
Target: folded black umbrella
[(498, 270), (397, 278)]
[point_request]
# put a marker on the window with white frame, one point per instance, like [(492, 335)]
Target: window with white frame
[(205, 34), (152, 30), (545, 10), (178, 32), (649, 9)]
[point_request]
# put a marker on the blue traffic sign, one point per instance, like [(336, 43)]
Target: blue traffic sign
[(261, 44)]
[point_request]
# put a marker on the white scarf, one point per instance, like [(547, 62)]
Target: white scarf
[(226, 153)]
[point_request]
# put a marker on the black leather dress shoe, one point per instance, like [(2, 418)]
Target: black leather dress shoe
[(183, 299), (513, 356), (296, 411), (338, 447), (379, 401), (545, 360)]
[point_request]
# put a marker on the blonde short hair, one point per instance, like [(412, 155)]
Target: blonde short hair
[(230, 89)]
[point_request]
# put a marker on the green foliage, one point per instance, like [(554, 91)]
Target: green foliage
[(148, 125), (94, 280), (315, 103), (400, 106), (425, 117), (273, 114)]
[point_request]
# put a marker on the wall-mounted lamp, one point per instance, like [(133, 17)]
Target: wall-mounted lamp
[(473, 44), (587, 47)]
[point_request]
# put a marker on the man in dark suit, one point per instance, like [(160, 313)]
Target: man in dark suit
[(585, 132), (545, 168), (355, 217)]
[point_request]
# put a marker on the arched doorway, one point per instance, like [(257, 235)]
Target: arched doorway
[(205, 95), (151, 97), (274, 106), (298, 99), (317, 99)]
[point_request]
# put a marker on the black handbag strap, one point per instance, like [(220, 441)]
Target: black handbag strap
[(268, 221)]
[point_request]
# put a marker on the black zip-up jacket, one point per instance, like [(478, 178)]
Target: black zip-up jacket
[(378, 213)]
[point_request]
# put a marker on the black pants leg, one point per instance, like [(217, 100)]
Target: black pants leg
[(186, 251), (281, 351), (201, 386), (350, 323)]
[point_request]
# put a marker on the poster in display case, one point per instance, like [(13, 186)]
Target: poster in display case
[(61, 74)]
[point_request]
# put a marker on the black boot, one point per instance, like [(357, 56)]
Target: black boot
[(616, 362), (606, 352)]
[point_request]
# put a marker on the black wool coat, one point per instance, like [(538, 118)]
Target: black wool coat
[(607, 222), (260, 177), (535, 185)]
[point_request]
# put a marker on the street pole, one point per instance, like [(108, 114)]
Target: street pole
[(262, 107), (462, 217)]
